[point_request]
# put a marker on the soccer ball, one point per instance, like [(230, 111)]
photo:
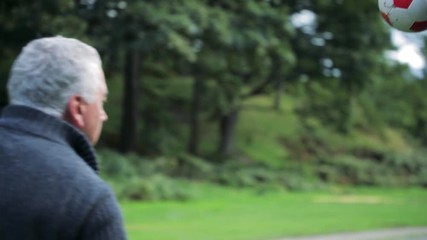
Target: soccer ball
[(405, 15)]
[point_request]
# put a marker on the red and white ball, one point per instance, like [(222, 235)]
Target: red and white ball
[(405, 15)]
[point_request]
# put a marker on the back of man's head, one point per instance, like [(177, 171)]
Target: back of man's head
[(49, 71)]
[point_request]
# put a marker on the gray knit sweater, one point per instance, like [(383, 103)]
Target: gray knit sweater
[(49, 189)]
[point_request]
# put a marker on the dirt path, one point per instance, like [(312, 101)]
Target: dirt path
[(414, 233)]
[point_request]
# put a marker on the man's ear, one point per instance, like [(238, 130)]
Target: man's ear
[(74, 111)]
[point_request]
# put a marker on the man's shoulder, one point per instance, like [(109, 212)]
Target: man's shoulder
[(45, 163)]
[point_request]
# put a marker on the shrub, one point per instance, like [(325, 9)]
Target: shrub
[(135, 178), (154, 188), (193, 167)]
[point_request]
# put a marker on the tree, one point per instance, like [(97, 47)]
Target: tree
[(347, 43), (255, 43), (23, 21), (144, 31)]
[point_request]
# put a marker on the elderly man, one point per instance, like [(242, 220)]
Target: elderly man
[(49, 187)]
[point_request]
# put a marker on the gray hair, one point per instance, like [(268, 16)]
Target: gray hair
[(50, 70)]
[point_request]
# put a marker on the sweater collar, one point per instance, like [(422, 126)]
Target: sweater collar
[(46, 126)]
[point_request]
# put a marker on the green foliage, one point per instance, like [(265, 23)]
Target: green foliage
[(328, 103), (154, 188), (192, 167), (261, 129), (139, 179), (246, 176), (266, 179), (280, 151), (389, 169), (23, 20), (350, 116), (135, 178), (369, 153)]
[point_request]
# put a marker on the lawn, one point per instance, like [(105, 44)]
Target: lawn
[(231, 214)]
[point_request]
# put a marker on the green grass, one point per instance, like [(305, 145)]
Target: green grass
[(260, 128), (261, 132), (232, 214)]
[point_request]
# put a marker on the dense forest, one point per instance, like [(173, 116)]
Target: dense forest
[(243, 86)]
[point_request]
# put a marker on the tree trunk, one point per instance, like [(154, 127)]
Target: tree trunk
[(227, 128), (193, 143), (128, 132), (277, 81)]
